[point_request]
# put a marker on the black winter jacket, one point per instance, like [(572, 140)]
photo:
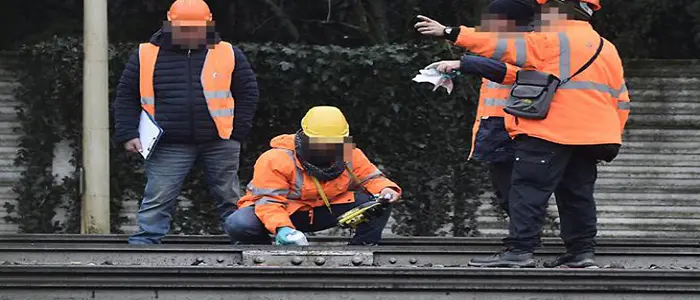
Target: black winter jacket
[(181, 109)]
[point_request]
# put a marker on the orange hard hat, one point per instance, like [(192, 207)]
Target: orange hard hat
[(595, 4), (189, 13)]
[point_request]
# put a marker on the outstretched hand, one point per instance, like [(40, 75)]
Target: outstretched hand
[(445, 66), (428, 26)]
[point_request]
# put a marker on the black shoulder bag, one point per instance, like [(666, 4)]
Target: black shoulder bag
[(533, 91)]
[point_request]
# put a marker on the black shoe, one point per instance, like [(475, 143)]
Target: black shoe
[(582, 260), (507, 258)]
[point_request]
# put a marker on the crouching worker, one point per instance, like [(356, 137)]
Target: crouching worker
[(306, 181)]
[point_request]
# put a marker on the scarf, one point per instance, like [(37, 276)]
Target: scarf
[(321, 172)]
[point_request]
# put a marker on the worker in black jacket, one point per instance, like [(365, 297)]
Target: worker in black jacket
[(203, 93)]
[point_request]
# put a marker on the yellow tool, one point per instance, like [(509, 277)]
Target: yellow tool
[(363, 213)]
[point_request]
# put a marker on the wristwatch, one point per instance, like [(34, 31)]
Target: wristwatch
[(447, 31)]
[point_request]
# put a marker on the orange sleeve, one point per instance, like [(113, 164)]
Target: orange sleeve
[(270, 185), (369, 175), (511, 72), (510, 48), (623, 105)]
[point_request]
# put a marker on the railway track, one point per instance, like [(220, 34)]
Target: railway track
[(130, 282), (324, 252), (54, 267), (326, 240)]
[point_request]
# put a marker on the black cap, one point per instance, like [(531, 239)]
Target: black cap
[(521, 11)]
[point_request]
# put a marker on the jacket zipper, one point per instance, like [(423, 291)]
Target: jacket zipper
[(189, 94)]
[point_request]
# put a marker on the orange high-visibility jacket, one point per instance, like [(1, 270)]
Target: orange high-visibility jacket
[(592, 108), (280, 186), (492, 100), (216, 83)]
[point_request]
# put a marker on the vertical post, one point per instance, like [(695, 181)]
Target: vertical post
[(95, 198)]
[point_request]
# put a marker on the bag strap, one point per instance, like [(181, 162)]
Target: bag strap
[(588, 64)]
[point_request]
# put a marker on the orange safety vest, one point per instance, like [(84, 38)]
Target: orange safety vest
[(592, 108), (281, 187), (492, 99), (216, 83)]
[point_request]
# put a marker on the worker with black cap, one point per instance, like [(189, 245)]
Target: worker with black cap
[(490, 140), (567, 110)]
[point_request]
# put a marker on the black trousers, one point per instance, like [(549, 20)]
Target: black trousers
[(500, 180), (540, 169)]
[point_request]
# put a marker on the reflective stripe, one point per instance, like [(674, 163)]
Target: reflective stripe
[(495, 102), (295, 193), (589, 85), (501, 48), (148, 101), (623, 89), (624, 105), (228, 112), (493, 85), (256, 191), (520, 52), (217, 94), (265, 200), (564, 56), (376, 174)]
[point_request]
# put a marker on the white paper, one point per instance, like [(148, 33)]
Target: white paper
[(436, 78), (149, 134)]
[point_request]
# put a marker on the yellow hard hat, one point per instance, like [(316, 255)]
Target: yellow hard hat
[(326, 123)]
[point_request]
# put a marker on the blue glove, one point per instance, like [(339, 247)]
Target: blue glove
[(290, 236)]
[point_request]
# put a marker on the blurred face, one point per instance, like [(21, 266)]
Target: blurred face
[(323, 152), (497, 23), (550, 17), (189, 36)]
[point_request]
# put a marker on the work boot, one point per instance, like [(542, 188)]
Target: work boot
[(508, 258), (582, 260)]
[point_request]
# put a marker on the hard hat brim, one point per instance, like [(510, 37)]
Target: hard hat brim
[(327, 139), (190, 23)]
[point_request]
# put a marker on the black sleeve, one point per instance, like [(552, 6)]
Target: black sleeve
[(127, 104), (491, 69), (244, 89), (452, 37)]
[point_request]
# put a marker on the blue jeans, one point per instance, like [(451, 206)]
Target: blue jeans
[(166, 170), (245, 227)]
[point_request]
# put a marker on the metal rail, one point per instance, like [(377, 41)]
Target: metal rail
[(123, 282), (316, 256), (389, 241)]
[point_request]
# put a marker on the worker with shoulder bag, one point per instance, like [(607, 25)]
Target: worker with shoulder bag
[(567, 111)]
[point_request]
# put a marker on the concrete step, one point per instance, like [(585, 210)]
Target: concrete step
[(661, 135), (502, 232), (662, 68), (8, 112), (9, 178), (8, 87), (620, 224), (647, 184), (663, 83), (6, 149), (614, 186), (622, 211), (660, 148), (643, 172), (8, 228), (680, 107), (7, 98), (655, 159), (663, 121), (664, 95)]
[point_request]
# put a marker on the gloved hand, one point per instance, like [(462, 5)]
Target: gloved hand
[(290, 236)]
